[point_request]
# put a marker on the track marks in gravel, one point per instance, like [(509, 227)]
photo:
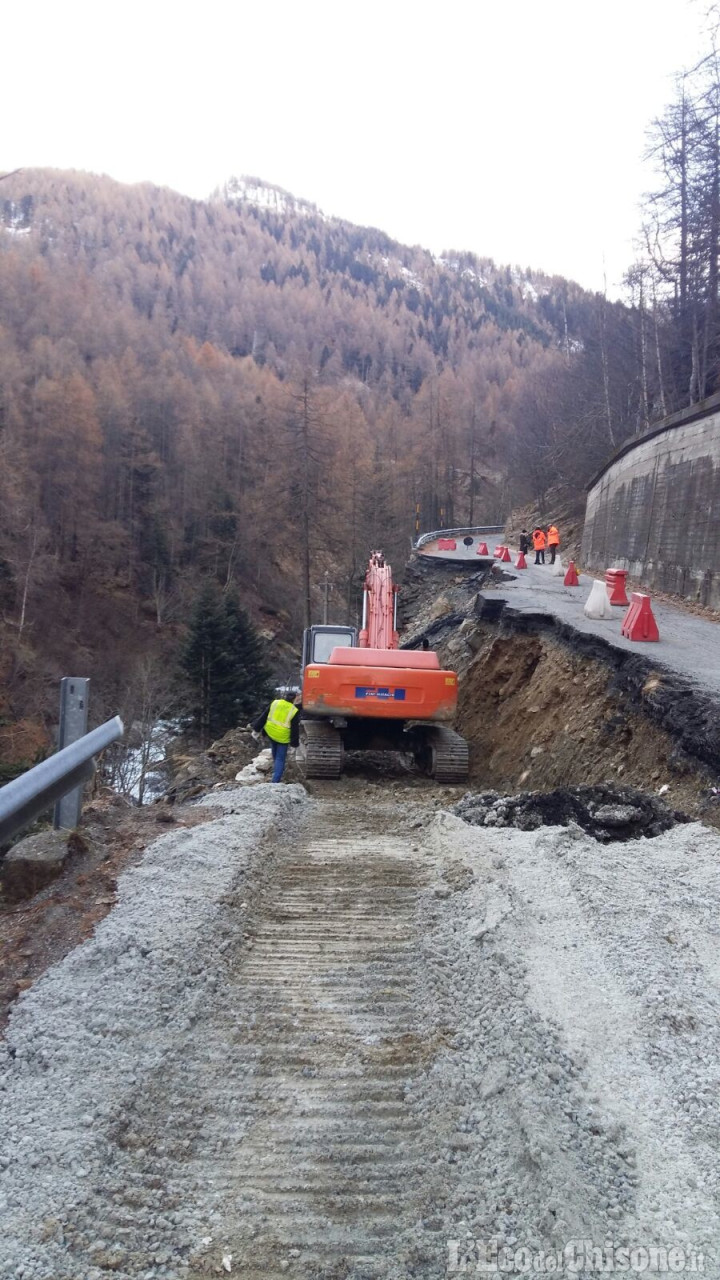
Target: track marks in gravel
[(326, 1154)]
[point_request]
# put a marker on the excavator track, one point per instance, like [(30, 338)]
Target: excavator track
[(323, 749), (449, 760)]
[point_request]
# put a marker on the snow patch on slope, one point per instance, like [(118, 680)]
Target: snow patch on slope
[(267, 196), (15, 221)]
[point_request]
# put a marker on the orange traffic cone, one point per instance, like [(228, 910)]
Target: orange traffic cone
[(482, 549), (521, 562), (504, 554), (571, 577)]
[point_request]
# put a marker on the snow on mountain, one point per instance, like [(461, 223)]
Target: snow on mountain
[(15, 219), (266, 196), (465, 272)]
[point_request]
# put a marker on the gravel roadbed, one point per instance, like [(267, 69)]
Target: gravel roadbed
[(361, 1038), (98, 1025), (581, 985)]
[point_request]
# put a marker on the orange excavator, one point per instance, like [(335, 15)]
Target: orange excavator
[(364, 693)]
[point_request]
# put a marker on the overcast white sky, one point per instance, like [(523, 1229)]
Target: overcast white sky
[(514, 128)]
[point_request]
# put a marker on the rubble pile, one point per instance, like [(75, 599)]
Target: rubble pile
[(606, 811), (194, 775)]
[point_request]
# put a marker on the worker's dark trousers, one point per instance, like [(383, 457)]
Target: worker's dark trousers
[(539, 557), (553, 549), (279, 750)]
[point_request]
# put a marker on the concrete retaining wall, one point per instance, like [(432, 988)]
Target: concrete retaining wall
[(654, 509)]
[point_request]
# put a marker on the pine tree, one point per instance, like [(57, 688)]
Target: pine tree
[(247, 679), (224, 663), (200, 655)]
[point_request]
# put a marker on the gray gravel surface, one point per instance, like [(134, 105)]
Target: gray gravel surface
[(339, 1037), (582, 983), (92, 1037)]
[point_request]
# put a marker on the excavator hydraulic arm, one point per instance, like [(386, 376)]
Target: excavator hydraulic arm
[(379, 627)]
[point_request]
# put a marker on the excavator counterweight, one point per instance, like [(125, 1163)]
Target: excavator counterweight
[(365, 693)]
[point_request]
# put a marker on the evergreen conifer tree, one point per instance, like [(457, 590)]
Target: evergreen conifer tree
[(224, 663), (246, 680)]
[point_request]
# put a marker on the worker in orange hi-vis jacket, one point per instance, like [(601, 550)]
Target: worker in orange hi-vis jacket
[(553, 541), (539, 545)]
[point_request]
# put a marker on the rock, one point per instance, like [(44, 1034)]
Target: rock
[(257, 770), (618, 815), (528, 821), (194, 778), (470, 634), (34, 862)]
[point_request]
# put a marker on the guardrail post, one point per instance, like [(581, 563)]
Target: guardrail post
[(74, 695)]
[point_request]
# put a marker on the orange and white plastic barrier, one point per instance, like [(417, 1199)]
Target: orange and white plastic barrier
[(598, 604), (615, 580), (639, 621)]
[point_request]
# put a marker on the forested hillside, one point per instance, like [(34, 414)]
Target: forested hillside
[(244, 390)]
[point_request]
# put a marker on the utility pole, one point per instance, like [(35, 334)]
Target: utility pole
[(326, 587)]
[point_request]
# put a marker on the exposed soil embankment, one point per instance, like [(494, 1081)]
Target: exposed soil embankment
[(545, 706), (541, 715)]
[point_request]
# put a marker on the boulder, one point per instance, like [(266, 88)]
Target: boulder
[(33, 862)]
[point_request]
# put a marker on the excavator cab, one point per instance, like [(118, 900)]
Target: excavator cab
[(319, 642)]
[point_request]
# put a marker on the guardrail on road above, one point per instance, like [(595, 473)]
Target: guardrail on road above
[(473, 531)]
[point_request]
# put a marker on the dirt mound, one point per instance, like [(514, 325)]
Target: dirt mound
[(196, 774), (606, 812)]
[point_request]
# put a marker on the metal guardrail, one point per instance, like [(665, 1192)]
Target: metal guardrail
[(470, 530), (26, 797)]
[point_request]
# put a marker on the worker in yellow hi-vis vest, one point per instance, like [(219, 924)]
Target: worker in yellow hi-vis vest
[(280, 722)]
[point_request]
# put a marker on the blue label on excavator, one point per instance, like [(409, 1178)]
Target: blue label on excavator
[(366, 692)]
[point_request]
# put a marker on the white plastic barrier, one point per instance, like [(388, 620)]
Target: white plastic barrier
[(558, 568), (598, 603)]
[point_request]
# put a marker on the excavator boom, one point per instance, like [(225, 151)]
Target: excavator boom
[(379, 628)]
